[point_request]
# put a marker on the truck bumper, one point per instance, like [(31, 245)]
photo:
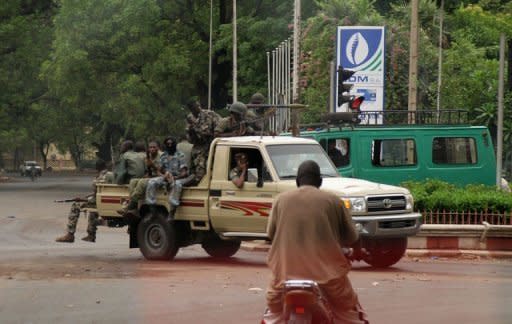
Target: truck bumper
[(389, 225)]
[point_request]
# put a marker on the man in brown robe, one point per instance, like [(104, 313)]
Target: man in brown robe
[(308, 228)]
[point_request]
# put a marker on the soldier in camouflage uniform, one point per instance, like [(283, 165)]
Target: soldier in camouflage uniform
[(200, 129), (256, 116), (131, 164), (235, 124), (174, 176), (137, 186), (77, 207)]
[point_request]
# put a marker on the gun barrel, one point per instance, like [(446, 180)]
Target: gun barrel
[(290, 106), (70, 200)]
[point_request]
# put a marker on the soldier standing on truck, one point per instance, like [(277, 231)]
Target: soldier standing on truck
[(77, 207), (201, 126), (235, 124), (256, 116)]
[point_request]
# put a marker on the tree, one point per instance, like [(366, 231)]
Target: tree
[(25, 32), (318, 48)]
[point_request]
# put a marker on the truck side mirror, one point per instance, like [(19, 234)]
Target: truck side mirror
[(252, 175), (259, 184)]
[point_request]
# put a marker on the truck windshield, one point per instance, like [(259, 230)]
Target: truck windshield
[(287, 158)]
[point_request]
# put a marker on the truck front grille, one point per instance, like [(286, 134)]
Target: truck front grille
[(386, 203), (397, 224)]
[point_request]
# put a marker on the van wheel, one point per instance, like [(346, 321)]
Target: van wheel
[(384, 253), (219, 248), (157, 237)]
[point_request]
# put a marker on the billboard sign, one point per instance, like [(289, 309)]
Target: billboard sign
[(361, 49)]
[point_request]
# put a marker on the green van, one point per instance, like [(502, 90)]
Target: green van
[(391, 154)]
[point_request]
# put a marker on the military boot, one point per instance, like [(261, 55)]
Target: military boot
[(89, 238), (68, 238), (172, 212), (131, 207), (130, 213)]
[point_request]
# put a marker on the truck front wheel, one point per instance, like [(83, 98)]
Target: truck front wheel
[(383, 253), (219, 248), (156, 237)]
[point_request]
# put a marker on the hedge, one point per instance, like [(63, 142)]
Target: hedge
[(434, 194)]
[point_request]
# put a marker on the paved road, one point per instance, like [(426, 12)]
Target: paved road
[(45, 282)]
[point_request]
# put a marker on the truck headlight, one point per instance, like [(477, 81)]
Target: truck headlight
[(409, 202), (355, 204)]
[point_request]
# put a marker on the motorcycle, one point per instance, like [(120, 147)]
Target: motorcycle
[(304, 303), (32, 173)]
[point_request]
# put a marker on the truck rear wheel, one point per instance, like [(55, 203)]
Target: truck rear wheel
[(156, 237), (384, 253), (219, 248)]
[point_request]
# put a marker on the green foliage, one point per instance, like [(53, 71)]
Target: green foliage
[(25, 35), (438, 195), (318, 48), (82, 73)]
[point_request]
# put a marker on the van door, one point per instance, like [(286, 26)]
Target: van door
[(243, 211), (462, 158), (388, 159), (338, 147)]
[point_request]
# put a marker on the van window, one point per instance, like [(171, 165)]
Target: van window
[(338, 150), (454, 150), (394, 152)]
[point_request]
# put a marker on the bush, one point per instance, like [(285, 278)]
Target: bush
[(438, 195)]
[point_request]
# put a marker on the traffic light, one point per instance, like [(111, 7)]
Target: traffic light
[(355, 103), (343, 87), (344, 96)]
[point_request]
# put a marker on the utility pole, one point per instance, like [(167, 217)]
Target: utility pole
[(235, 87), (295, 76), (210, 58), (413, 63), (499, 135), (440, 59)]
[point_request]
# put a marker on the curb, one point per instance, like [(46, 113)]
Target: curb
[(262, 246), (458, 253)]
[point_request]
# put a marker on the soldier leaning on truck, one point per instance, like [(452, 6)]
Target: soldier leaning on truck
[(77, 207), (201, 124)]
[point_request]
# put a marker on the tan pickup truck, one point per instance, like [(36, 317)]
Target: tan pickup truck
[(218, 215)]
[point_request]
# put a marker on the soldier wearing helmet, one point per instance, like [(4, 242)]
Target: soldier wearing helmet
[(256, 115), (235, 124)]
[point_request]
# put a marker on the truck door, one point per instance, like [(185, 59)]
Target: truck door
[(242, 211)]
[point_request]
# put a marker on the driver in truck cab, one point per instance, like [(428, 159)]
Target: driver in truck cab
[(308, 228), (238, 175)]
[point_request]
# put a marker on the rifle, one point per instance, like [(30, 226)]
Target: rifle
[(269, 111), (269, 106), (77, 199)]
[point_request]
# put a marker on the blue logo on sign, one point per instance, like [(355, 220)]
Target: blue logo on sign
[(361, 49)]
